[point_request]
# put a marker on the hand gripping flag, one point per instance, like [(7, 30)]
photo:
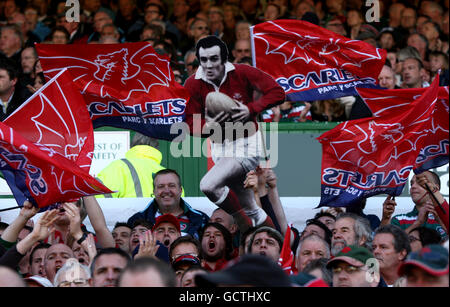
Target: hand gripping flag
[(312, 63), (125, 85), (371, 156), (435, 153), (46, 146), (286, 260)]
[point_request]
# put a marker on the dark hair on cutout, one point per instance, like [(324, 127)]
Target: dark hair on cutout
[(211, 41)]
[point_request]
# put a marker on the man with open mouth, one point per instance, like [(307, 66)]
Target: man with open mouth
[(216, 247)]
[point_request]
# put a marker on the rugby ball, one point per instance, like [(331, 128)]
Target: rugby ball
[(217, 102)]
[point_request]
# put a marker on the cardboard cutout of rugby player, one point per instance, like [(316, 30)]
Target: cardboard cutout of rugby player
[(236, 142)]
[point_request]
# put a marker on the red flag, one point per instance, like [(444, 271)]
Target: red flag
[(56, 116), (370, 156), (39, 174), (313, 63), (435, 152), (125, 85), (286, 260), (47, 144)]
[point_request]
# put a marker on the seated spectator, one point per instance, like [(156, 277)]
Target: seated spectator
[(147, 272), (283, 5), (188, 277), (386, 39), (101, 17), (251, 11), (316, 227), (249, 270), (421, 236), (354, 22), (245, 241), (390, 247), (301, 8), (419, 42), (107, 266), (350, 268), (111, 32), (166, 229), (55, 257), (29, 38), (242, 30), (216, 247), (12, 42), (151, 33), (438, 60), (336, 25), (310, 248), (183, 263), (412, 73), (185, 245), (431, 31), (326, 218), (140, 226), (350, 229), (121, 234), (37, 257), (386, 78), (424, 204), (318, 268), (72, 274), (358, 209), (266, 241), (220, 216), (59, 35), (272, 12), (242, 48), (427, 267), (167, 190)]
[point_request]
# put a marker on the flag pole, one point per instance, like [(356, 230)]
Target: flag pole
[(11, 208), (434, 197)]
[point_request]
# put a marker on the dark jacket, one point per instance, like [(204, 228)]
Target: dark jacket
[(197, 219), (20, 96)]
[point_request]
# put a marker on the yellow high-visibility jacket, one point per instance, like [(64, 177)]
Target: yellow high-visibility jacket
[(132, 176)]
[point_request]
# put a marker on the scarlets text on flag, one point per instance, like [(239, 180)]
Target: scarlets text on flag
[(313, 63), (125, 85), (46, 146), (435, 152), (370, 156)]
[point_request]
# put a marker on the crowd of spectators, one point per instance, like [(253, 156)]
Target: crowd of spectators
[(171, 243), (415, 34)]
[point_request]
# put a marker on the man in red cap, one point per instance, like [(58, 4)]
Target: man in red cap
[(166, 229), (352, 267), (426, 268)]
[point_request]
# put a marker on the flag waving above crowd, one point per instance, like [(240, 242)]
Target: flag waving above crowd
[(370, 156), (312, 63), (46, 146), (435, 152), (125, 85)]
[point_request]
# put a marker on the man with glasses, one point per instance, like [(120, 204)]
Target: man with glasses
[(354, 266), (72, 274)]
